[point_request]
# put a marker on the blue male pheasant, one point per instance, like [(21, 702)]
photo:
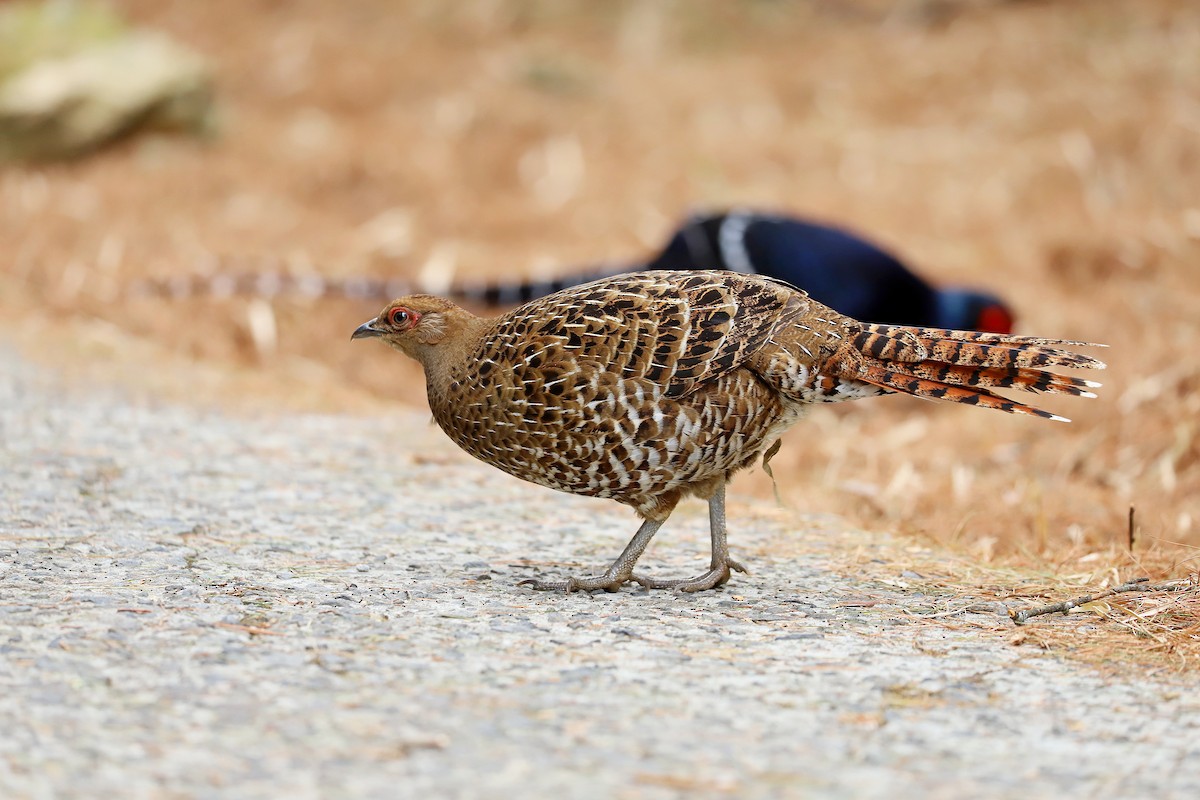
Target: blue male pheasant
[(836, 267)]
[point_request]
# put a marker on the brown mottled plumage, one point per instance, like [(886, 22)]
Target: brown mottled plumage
[(651, 386)]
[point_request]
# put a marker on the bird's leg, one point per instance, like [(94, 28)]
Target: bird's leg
[(721, 564), (618, 573)]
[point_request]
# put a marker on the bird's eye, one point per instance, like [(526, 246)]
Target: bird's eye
[(399, 317)]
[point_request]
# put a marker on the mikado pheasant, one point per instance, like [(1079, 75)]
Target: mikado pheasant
[(652, 386), (835, 266)]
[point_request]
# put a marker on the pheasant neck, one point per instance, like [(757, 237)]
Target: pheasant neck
[(450, 355)]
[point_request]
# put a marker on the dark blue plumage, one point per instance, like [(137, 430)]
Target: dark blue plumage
[(835, 267)]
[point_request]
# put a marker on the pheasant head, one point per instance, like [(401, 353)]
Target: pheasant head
[(423, 327)]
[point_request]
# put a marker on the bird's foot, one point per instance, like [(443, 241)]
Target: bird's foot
[(610, 581), (718, 575)]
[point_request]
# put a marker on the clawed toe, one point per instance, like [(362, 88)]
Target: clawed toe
[(609, 583), (710, 580), (545, 586), (613, 581)]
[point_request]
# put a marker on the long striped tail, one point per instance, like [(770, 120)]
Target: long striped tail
[(962, 366), (273, 283)]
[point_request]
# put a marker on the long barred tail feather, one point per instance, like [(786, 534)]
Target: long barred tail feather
[(269, 284), (1030, 380), (971, 347), (937, 390), (973, 336), (962, 366), (502, 293)]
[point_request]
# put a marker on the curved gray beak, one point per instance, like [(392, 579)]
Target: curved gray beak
[(366, 331)]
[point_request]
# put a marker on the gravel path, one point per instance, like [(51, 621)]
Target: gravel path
[(193, 605)]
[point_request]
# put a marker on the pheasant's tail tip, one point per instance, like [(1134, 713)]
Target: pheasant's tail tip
[(1087, 394), (1057, 418)]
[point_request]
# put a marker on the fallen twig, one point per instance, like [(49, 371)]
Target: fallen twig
[(1135, 585)]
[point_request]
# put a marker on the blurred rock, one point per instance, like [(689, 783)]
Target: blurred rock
[(34, 31), (65, 104)]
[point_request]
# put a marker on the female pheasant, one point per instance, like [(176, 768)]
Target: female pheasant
[(652, 386)]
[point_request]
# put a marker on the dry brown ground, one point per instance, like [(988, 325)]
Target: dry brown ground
[(1049, 150)]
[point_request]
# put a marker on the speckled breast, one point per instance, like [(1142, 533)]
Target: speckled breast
[(629, 390)]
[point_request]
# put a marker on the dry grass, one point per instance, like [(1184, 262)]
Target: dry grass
[(1154, 621), (1048, 150)]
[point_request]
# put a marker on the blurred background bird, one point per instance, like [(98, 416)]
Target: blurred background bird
[(841, 269)]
